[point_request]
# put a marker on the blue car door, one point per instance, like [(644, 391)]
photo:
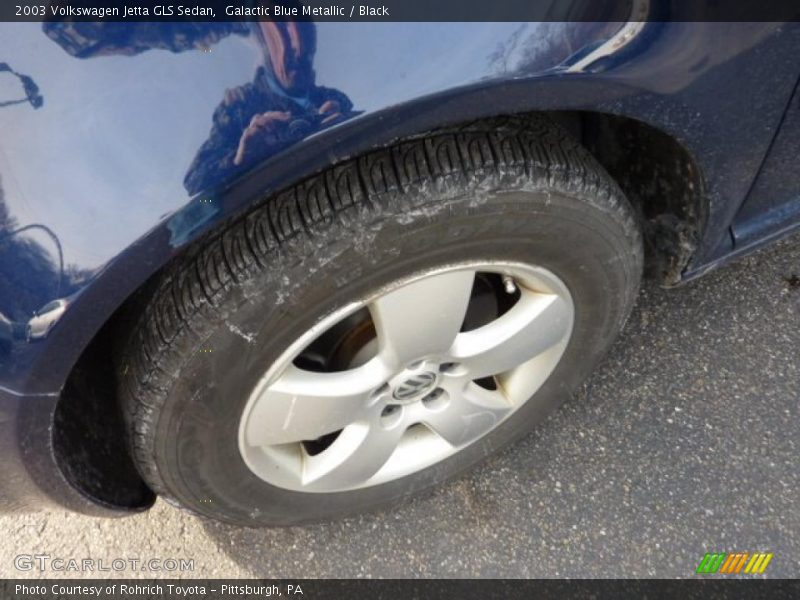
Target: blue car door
[(773, 205)]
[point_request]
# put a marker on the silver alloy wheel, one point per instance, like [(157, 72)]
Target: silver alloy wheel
[(412, 401)]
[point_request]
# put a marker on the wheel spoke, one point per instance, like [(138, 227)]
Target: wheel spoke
[(357, 454), (304, 405), (469, 415), (423, 317), (534, 324), (416, 401)]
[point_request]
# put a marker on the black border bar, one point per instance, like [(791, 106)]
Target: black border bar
[(172, 11), (709, 588)]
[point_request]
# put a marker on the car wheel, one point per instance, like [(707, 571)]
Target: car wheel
[(380, 327)]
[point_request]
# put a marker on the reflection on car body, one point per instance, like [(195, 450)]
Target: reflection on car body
[(44, 319)]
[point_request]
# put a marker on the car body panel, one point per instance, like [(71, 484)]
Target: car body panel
[(139, 143), (772, 205)]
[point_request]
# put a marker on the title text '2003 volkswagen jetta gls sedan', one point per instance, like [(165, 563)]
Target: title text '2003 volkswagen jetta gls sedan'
[(278, 271)]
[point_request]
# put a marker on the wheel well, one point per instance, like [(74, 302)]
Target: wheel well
[(88, 430), (655, 172), (660, 179)]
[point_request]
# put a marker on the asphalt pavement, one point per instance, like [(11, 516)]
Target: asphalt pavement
[(684, 441)]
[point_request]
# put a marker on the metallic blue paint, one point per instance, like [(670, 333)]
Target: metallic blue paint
[(122, 143)]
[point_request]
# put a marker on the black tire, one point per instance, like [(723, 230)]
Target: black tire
[(519, 189)]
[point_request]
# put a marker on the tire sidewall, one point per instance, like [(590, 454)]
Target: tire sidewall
[(310, 277)]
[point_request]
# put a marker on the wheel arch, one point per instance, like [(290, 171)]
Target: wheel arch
[(662, 179)]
